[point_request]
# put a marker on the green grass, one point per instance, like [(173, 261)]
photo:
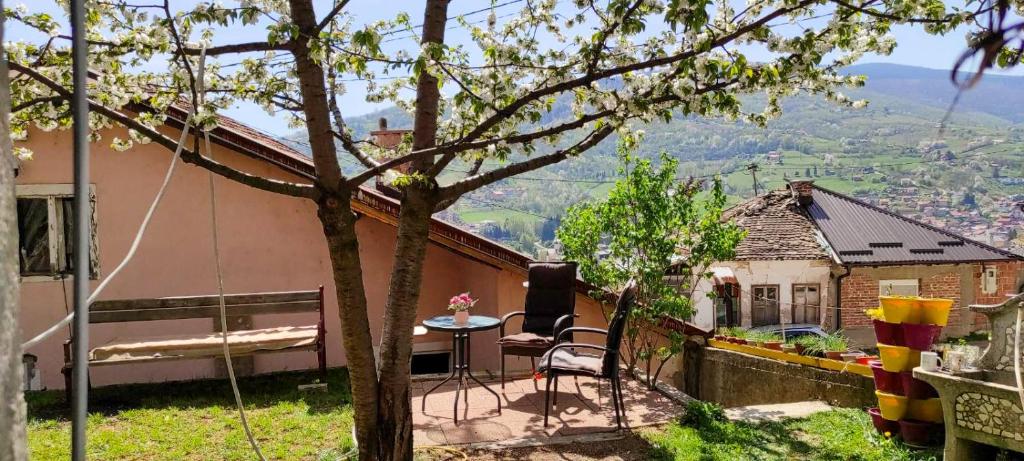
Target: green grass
[(198, 420), (843, 434)]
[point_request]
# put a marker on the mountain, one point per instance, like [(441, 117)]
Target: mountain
[(997, 95), (895, 152)]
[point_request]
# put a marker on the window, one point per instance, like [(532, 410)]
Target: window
[(764, 303), (430, 363), (46, 232), (903, 287), (727, 305), (806, 303), (988, 281)]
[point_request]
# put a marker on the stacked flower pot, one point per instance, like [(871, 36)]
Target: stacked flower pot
[(906, 326)]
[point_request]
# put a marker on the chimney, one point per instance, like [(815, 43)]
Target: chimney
[(802, 191), (386, 138)]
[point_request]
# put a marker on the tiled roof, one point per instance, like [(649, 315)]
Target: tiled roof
[(863, 234), (777, 229)]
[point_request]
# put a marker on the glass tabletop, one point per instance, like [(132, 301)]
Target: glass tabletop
[(447, 323)]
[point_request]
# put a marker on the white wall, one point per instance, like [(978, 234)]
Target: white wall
[(785, 274)]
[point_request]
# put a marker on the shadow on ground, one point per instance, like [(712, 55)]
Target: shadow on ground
[(257, 391)]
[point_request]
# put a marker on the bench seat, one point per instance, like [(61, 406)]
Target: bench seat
[(199, 345)]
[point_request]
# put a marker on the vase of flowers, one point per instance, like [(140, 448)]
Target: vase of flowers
[(460, 304)]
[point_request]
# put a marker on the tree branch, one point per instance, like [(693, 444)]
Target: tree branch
[(188, 156), (34, 101), (475, 182), (591, 77), (248, 47), (330, 16)]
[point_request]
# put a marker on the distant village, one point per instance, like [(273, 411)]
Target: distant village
[(996, 220)]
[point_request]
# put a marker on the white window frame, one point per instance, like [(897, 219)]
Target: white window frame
[(883, 286), (989, 280), (51, 192)]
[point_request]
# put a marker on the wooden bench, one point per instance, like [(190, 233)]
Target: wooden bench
[(127, 349)]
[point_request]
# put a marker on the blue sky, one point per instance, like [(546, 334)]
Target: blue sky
[(915, 47)]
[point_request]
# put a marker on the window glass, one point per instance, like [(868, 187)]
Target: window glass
[(33, 236), (65, 206)]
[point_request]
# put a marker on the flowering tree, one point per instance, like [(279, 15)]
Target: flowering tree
[(662, 235), (486, 98)]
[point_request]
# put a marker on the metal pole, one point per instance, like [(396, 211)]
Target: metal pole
[(82, 228)]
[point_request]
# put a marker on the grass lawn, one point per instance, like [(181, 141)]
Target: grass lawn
[(198, 420), (842, 434)]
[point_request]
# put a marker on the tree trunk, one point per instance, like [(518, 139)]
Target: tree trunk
[(418, 202), (394, 409), (339, 223), (12, 403)]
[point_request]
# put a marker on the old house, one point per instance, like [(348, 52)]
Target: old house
[(268, 243), (813, 255)]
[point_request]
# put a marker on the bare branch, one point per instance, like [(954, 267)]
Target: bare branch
[(330, 16), (249, 47), (475, 182), (188, 156)]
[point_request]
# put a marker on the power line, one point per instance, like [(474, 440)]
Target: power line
[(498, 205)]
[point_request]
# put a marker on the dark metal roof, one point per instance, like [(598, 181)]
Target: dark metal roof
[(863, 234)]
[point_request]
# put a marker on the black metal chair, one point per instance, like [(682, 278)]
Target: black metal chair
[(565, 359), (550, 306)]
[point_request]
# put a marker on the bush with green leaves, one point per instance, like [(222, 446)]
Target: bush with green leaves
[(832, 342), (651, 222)]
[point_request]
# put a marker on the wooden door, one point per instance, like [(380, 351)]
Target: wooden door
[(806, 303), (764, 304)]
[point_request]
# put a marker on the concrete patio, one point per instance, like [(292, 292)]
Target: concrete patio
[(580, 411)]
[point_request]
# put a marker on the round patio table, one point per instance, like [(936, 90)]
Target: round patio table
[(460, 347)]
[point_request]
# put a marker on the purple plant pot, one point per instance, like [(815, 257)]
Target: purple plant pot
[(888, 333), (920, 433), (883, 425), (886, 381), (914, 388), (920, 337)]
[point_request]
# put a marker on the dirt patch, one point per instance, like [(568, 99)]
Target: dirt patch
[(630, 448)]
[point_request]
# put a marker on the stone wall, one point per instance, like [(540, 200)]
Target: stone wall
[(737, 379)]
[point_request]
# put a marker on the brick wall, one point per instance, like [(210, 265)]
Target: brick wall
[(960, 283), (1008, 280), (859, 292)]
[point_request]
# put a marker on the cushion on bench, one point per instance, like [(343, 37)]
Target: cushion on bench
[(203, 344)]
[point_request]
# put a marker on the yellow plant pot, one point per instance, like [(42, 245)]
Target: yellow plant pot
[(893, 407), (898, 358), (925, 410), (898, 309), (935, 311)]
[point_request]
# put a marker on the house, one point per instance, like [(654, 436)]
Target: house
[(808, 246), (268, 242)]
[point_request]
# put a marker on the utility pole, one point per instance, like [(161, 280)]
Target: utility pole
[(752, 168)]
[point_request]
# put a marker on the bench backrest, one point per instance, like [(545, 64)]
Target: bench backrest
[(192, 307)]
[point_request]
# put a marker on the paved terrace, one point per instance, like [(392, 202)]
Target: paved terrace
[(580, 411)]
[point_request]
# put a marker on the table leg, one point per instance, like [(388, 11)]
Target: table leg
[(423, 407), (461, 347), (470, 374)]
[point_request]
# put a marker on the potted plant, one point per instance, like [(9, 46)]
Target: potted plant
[(802, 342), (832, 345), (772, 341), (721, 333), (460, 304), (789, 347)]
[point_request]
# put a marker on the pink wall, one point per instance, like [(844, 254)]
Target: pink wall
[(268, 243)]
